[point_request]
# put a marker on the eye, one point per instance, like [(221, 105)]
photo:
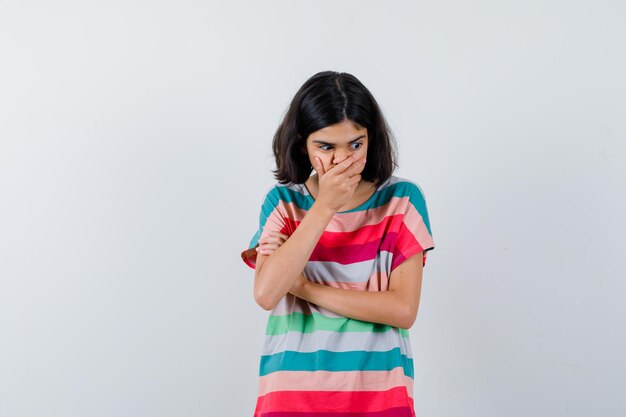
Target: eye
[(322, 147)]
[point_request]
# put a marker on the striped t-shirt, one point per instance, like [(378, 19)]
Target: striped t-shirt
[(317, 363)]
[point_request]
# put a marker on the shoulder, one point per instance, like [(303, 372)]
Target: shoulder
[(285, 193), (409, 195), (405, 188)]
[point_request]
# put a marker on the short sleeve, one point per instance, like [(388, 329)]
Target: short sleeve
[(270, 220), (414, 234)]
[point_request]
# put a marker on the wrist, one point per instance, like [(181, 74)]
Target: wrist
[(324, 211), (304, 288)]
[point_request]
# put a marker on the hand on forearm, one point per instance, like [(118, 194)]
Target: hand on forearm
[(278, 271), (376, 307)]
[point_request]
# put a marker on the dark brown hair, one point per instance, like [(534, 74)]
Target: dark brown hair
[(325, 99)]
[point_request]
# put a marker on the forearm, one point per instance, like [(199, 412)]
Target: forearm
[(383, 307), (280, 270)]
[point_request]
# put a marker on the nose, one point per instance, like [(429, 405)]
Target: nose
[(340, 157)]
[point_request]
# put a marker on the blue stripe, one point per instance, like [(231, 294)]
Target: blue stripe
[(325, 360)]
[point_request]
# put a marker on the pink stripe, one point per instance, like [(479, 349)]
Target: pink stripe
[(334, 381), (415, 223), (348, 222)]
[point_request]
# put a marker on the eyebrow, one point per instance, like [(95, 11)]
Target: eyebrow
[(328, 143)]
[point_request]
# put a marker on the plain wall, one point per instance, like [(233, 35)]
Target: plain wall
[(135, 148)]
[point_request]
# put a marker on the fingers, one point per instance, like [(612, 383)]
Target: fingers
[(343, 165), (319, 167), (272, 239), (353, 163), (356, 167), (271, 242), (354, 180), (267, 248)]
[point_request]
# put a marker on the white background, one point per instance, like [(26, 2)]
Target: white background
[(135, 148)]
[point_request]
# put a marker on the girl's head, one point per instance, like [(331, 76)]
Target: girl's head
[(333, 116)]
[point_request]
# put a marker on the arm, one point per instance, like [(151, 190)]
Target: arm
[(274, 275), (396, 307)]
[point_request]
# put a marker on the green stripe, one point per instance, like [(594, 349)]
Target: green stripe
[(308, 323), (325, 360)]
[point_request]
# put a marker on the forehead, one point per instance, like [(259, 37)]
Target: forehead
[(344, 131)]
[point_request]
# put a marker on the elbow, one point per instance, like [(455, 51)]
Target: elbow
[(408, 318), (407, 324), (261, 296), (262, 301)]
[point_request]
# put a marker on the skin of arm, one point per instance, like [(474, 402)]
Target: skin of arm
[(396, 307), (275, 275)]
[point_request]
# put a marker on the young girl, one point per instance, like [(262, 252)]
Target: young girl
[(338, 260)]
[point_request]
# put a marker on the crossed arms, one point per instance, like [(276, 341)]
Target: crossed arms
[(281, 273)]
